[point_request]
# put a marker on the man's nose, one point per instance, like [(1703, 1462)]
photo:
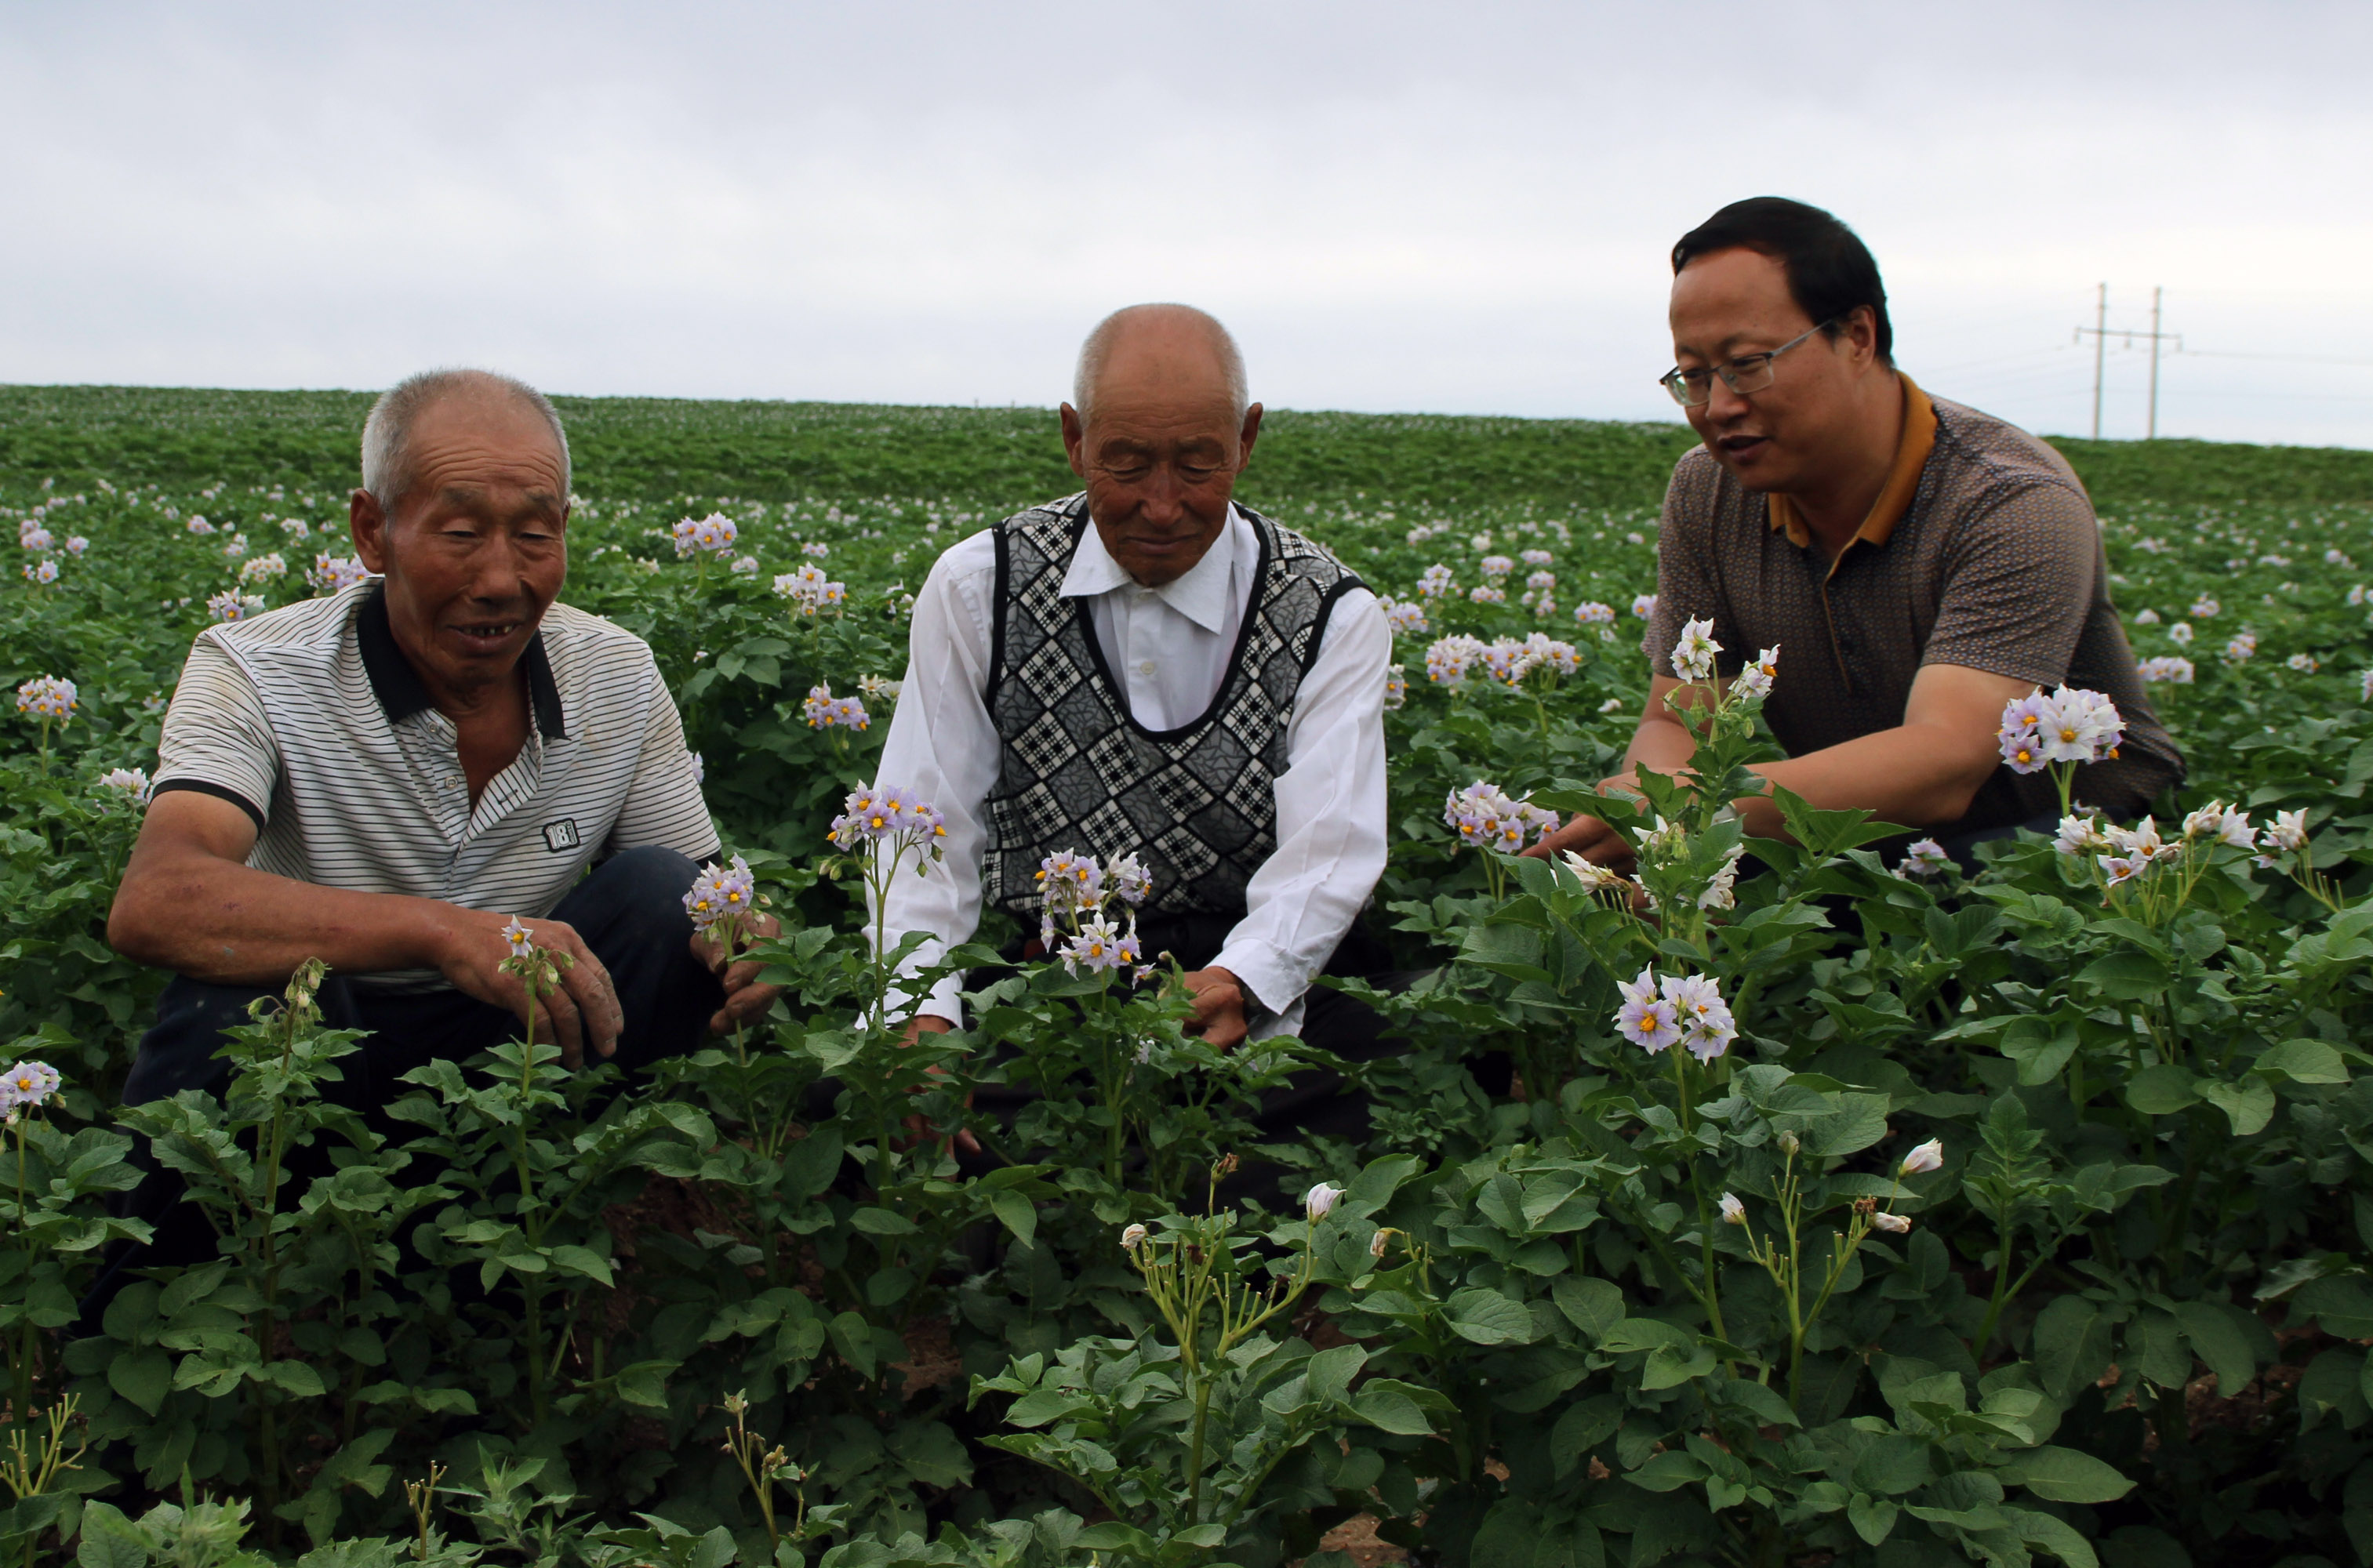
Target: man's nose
[(1721, 404), (500, 572), (1162, 499)]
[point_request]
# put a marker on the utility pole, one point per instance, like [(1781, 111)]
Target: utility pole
[(2100, 332), (2152, 429), (2100, 342)]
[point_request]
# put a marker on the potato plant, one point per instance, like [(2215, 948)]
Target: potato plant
[(1840, 1207)]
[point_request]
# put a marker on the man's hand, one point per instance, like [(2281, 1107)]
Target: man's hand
[(917, 1027), (1218, 1001), (1595, 841), (744, 998), (585, 1006)]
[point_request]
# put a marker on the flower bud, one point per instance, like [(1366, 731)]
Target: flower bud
[(1733, 1211), (1897, 1224), (1320, 1200), (1928, 1157), (1376, 1244), (1789, 1143), (1131, 1238)]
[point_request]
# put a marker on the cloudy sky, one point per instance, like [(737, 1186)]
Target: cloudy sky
[(1448, 207)]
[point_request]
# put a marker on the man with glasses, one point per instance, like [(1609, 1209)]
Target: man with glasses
[(1917, 563)]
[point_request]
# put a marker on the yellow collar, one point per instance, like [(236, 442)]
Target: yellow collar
[(1902, 479)]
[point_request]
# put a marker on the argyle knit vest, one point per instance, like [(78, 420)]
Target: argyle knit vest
[(1196, 804)]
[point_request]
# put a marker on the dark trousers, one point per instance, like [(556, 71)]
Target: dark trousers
[(629, 912)]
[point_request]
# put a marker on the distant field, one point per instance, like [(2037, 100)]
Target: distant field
[(650, 448)]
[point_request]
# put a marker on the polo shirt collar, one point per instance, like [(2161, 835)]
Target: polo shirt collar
[(1902, 481), (401, 692), (1201, 592)]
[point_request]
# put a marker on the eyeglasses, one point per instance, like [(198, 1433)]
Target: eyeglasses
[(1747, 373)]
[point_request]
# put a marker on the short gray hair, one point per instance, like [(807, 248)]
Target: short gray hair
[(1099, 345), (387, 434)]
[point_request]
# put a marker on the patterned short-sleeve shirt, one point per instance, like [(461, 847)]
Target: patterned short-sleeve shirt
[(1984, 553)]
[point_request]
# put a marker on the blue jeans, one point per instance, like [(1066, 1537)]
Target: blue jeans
[(629, 912)]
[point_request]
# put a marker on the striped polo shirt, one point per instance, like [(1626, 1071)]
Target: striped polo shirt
[(312, 721)]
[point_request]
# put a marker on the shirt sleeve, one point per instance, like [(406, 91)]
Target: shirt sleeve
[(1686, 588), (943, 747), (664, 805), (216, 738), (2017, 582), (1331, 813)]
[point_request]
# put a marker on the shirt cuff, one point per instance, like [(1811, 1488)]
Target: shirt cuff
[(1268, 982)]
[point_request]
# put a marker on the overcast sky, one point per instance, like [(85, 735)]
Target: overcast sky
[(1458, 207)]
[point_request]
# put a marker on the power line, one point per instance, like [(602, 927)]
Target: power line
[(2286, 358)]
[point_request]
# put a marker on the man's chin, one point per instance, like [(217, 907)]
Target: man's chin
[(1165, 563)]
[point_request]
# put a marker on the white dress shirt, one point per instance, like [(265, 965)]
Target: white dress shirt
[(1171, 646)]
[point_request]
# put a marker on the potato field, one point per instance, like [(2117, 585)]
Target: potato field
[(2007, 1218)]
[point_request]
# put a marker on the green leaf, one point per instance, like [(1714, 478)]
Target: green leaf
[(297, 1378), (644, 1383), (2072, 1346), (1891, 1464), (1593, 1305), (1040, 1406), (882, 1222), (1017, 1213), (2248, 1105), (853, 1337), (932, 1453), (2217, 1340), (2162, 1090), (109, 1539), (1666, 1471), (811, 1163), (1858, 1121), (1584, 1427), (1330, 1372), (2304, 1061), (2341, 1305), (1391, 1410), (1487, 1318), (1761, 1402), (1872, 1518), (715, 1549), (144, 1377), (585, 1261), (2126, 975), (2064, 1475), (2050, 1533)]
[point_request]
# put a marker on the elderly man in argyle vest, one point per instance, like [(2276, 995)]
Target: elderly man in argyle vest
[(1149, 669)]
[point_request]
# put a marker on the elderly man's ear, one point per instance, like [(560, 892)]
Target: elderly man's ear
[(368, 524)]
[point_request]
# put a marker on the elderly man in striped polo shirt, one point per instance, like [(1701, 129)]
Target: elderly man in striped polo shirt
[(384, 778)]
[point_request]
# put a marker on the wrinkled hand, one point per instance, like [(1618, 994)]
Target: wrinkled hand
[(1219, 1003), (584, 1007), (1589, 838), (744, 998), (917, 1128), (1595, 841)]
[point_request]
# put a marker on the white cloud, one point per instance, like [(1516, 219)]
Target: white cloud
[(1397, 206)]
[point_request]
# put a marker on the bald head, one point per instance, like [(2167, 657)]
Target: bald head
[(1160, 429), (387, 466), (1162, 352)]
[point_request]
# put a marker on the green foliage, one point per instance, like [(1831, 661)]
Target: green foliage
[(1645, 1308)]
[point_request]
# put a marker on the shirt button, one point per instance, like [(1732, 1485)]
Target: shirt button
[(1146, 667)]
